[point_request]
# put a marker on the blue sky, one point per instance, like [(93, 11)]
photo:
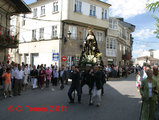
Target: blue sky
[(133, 11)]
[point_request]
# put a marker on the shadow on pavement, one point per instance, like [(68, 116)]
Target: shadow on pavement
[(115, 106)]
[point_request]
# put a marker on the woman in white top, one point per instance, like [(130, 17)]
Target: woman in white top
[(138, 81)]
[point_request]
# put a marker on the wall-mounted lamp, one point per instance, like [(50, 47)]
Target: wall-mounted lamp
[(68, 37), (69, 34)]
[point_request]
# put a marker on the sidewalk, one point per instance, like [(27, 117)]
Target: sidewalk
[(112, 79)]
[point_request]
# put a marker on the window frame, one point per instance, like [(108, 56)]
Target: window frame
[(73, 30), (78, 6), (113, 24), (99, 36), (41, 33), (85, 34), (34, 34), (92, 11), (54, 31), (42, 10), (24, 20), (104, 14), (111, 47), (55, 7), (35, 12)]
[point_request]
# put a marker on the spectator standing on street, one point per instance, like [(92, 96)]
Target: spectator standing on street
[(52, 74), (2, 71), (48, 76), (38, 80), (42, 77), (26, 73), (7, 83), (138, 81), (120, 71), (62, 76), (12, 77), (126, 71), (55, 77), (148, 91), (18, 74), (34, 76), (56, 67), (108, 70)]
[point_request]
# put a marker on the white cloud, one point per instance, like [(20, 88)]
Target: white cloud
[(127, 8), (143, 34), (136, 53), (142, 46)]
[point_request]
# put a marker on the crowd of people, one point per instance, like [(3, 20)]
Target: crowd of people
[(147, 83), (16, 78)]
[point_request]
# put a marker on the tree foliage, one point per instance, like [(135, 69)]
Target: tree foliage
[(154, 7)]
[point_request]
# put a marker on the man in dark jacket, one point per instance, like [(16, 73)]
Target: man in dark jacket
[(62, 76), (75, 76), (96, 85)]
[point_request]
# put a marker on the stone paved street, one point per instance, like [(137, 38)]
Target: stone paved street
[(121, 101)]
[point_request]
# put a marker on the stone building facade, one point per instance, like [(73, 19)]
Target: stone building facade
[(57, 28)]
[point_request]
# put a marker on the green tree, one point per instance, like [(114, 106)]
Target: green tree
[(154, 7)]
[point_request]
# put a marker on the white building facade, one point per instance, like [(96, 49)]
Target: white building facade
[(148, 56), (42, 33)]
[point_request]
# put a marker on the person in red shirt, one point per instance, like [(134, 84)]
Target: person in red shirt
[(7, 82)]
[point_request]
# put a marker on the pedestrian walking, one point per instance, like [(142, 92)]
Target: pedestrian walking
[(75, 85), (96, 86)]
